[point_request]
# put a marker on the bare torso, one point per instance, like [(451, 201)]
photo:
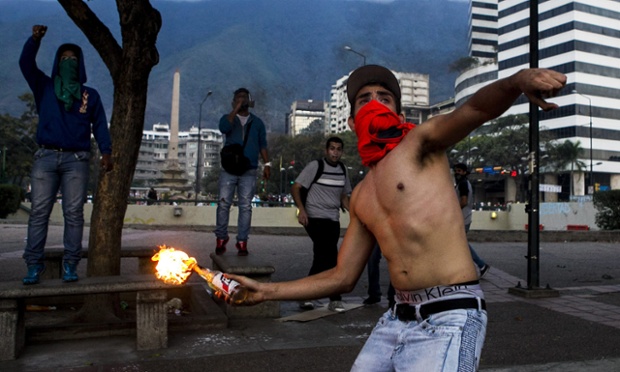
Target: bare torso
[(411, 208)]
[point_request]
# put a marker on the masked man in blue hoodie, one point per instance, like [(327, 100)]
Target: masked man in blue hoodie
[(68, 113)]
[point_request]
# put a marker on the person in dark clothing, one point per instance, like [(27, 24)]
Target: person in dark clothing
[(464, 192), (374, 277), (320, 214), (68, 112), (151, 196)]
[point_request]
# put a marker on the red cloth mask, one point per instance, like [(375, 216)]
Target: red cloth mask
[(379, 130)]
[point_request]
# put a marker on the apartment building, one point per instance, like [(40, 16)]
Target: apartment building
[(154, 152)]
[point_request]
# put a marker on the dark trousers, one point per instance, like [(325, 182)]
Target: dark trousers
[(325, 235), (374, 275)]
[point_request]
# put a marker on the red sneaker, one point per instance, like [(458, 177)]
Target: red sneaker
[(220, 246), (242, 248)]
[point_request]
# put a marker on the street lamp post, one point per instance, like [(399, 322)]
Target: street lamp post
[(197, 190), (590, 114), (348, 48)]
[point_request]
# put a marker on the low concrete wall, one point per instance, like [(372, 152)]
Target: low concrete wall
[(553, 216)]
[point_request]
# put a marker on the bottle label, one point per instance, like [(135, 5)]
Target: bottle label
[(224, 284)]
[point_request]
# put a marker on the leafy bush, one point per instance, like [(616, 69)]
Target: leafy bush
[(10, 199), (607, 204)]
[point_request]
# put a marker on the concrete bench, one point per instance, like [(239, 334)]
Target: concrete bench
[(253, 267), (53, 260), (151, 312)]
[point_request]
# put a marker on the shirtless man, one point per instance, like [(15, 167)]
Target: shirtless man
[(439, 321)]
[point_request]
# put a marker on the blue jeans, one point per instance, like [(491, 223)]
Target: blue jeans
[(245, 185), (53, 171), (446, 341), (477, 260)]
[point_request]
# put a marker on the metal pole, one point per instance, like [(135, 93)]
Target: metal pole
[(533, 263), (591, 166), (198, 153), (346, 47)]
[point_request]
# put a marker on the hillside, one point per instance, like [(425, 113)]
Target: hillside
[(281, 50)]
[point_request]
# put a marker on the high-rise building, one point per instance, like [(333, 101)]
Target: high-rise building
[(305, 113), (579, 38)]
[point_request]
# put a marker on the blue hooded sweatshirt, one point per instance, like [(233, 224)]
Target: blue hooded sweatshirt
[(58, 127)]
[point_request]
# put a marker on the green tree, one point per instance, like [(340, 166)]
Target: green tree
[(210, 181), (289, 156), (566, 155), (317, 126), (17, 142), (607, 204), (10, 199), (503, 142), (464, 64)]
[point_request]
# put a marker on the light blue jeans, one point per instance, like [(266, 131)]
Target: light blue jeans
[(477, 260), (449, 341), (53, 171), (245, 185)]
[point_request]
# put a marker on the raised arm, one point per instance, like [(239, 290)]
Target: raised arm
[(488, 103), (27, 60)]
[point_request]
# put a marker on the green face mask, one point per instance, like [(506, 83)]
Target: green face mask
[(66, 83)]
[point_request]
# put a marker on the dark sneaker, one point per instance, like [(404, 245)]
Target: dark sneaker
[(484, 269), (220, 246), (306, 305), (34, 272), (242, 248), (372, 300), (70, 272)]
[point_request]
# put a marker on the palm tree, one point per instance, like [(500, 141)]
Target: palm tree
[(567, 154)]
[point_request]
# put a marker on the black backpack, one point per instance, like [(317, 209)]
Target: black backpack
[(319, 172)]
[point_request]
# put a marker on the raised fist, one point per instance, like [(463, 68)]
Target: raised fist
[(38, 31)]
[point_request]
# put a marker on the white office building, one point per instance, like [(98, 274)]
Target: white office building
[(580, 38), (304, 114)]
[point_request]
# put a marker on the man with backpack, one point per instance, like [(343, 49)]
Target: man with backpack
[(320, 191)]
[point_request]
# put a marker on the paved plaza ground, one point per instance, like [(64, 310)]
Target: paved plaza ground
[(577, 331)]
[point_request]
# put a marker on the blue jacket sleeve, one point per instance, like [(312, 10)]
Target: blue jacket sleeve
[(225, 125), (27, 63)]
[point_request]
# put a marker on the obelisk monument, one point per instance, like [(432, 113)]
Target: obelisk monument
[(173, 175)]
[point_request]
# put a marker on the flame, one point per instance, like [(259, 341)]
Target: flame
[(174, 267)]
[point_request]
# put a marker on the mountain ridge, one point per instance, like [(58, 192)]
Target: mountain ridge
[(282, 51)]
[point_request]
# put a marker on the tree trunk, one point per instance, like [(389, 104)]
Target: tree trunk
[(130, 67)]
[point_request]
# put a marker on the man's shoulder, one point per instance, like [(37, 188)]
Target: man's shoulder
[(312, 164)]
